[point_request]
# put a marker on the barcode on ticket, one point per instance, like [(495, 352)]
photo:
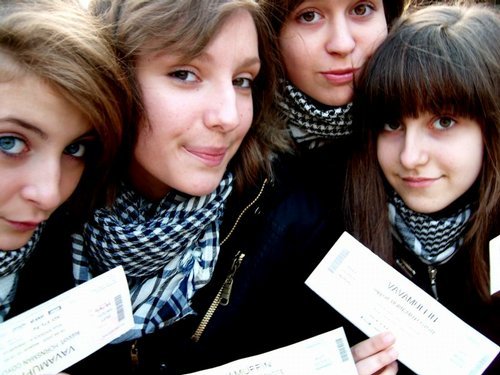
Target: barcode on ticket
[(119, 308), (342, 350)]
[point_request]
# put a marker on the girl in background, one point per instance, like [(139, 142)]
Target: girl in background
[(428, 157)]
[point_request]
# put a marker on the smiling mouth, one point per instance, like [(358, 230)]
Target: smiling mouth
[(418, 181), (212, 157)]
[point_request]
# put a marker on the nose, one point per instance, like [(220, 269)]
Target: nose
[(222, 112), (43, 185), (414, 149), (340, 39)]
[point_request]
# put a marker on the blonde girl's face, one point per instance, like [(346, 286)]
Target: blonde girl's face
[(43, 140), (431, 160), (325, 43), (198, 111)]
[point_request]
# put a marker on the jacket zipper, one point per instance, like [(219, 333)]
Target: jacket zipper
[(224, 294), (432, 276), (222, 297), (134, 354), (410, 272)]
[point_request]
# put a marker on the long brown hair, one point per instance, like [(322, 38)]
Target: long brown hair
[(186, 27), (441, 57)]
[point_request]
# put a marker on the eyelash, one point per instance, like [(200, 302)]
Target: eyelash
[(15, 140), (368, 9), (178, 73), (18, 141), (246, 83)]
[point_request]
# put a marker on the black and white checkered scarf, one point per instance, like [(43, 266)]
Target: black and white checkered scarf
[(433, 240), (310, 124), (167, 249), (11, 262)]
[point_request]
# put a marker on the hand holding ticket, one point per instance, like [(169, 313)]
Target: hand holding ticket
[(62, 331), (374, 297)]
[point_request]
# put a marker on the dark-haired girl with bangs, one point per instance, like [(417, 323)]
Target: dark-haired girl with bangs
[(428, 157)]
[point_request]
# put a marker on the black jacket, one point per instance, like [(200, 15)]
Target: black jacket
[(454, 289), (284, 227)]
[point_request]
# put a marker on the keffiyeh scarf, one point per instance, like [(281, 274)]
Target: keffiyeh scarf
[(167, 249), (433, 240), (309, 124), (11, 262)]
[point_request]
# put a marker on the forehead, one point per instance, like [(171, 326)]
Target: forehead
[(26, 98)]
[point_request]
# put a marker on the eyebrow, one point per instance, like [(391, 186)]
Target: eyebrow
[(25, 125), (249, 61), (88, 134)]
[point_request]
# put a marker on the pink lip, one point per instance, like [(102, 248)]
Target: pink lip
[(23, 226), (418, 181), (340, 76), (211, 156)]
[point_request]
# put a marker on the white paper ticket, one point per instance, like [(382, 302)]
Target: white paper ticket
[(375, 297), (60, 332), (328, 353)]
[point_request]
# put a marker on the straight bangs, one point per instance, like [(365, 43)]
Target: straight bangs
[(430, 69), (409, 80)]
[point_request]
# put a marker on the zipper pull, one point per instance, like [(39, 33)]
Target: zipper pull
[(432, 275), (134, 354), (228, 284), (406, 268), (222, 295)]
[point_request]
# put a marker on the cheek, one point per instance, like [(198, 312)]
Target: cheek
[(372, 38), (471, 166), (70, 177), (246, 118), (293, 50), (386, 155)]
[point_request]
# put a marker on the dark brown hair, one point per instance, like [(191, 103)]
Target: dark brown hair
[(438, 58)]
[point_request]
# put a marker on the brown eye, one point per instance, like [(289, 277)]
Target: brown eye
[(308, 17)]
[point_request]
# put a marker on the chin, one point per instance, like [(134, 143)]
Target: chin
[(200, 190), (13, 243)]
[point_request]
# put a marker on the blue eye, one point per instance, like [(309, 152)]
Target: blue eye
[(76, 150), (11, 145)]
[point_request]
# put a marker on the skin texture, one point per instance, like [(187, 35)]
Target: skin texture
[(376, 355), (42, 143), (198, 111), (431, 160), (324, 43)]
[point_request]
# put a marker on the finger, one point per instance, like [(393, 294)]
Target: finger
[(383, 362), (372, 345), (390, 369)]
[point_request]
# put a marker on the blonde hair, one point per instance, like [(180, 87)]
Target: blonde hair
[(59, 42)]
